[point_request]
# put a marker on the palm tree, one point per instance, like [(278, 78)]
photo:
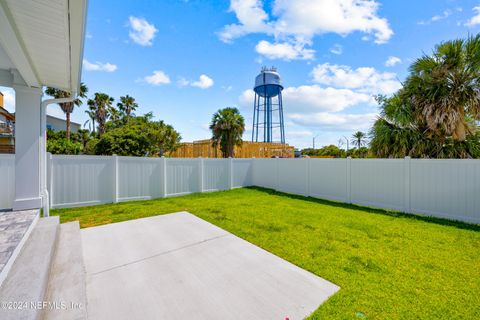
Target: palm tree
[(101, 103), (436, 113), (113, 113), (444, 89), (127, 106), (165, 137), (83, 136), (227, 128), (398, 133), (67, 107), (91, 114), (359, 139)]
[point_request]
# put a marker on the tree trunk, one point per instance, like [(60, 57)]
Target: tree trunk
[(231, 145), (68, 126)]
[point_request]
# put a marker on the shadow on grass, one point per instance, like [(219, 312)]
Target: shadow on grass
[(391, 213)]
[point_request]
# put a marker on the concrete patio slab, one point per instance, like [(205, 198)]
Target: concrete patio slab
[(178, 266)]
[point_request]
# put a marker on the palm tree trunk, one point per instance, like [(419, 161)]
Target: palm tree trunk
[(68, 126), (230, 146)]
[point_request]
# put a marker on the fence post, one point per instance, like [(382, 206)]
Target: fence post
[(200, 174), (349, 179), (115, 178), (407, 182), (307, 179), (252, 172), (230, 173), (164, 177), (277, 173)]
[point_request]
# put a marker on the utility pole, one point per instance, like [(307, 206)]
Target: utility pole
[(314, 141), (346, 139)]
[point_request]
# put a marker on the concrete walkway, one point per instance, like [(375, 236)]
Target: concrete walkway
[(178, 266)]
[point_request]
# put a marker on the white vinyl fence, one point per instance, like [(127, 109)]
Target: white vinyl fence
[(87, 180), (442, 188)]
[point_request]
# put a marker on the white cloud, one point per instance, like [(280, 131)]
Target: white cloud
[(363, 79), (157, 78), (251, 17), (475, 20), (141, 31), (444, 15), (299, 134), (204, 82), (392, 61), (301, 20), (285, 51), (182, 82), (335, 121), (98, 66), (246, 98), (336, 49), (314, 98), (306, 18)]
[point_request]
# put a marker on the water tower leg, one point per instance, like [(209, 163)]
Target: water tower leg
[(269, 119), (265, 117), (280, 110), (254, 113)]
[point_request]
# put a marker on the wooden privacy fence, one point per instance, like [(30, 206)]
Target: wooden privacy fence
[(441, 188), (204, 149)]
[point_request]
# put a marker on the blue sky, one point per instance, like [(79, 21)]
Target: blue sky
[(185, 59)]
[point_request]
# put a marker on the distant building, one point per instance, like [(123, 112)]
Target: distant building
[(7, 127), (7, 120), (57, 124)]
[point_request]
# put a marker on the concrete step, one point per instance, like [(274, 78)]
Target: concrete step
[(22, 292), (66, 286)]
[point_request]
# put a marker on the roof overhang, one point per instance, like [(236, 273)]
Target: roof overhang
[(41, 42)]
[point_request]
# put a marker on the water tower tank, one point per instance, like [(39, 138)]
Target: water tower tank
[(268, 107)]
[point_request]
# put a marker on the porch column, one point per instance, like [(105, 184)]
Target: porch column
[(28, 148)]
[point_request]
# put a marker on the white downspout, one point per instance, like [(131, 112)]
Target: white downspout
[(43, 146)]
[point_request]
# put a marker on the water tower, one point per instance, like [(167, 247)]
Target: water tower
[(268, 107)]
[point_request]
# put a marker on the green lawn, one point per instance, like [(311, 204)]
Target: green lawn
[(388, 265)]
